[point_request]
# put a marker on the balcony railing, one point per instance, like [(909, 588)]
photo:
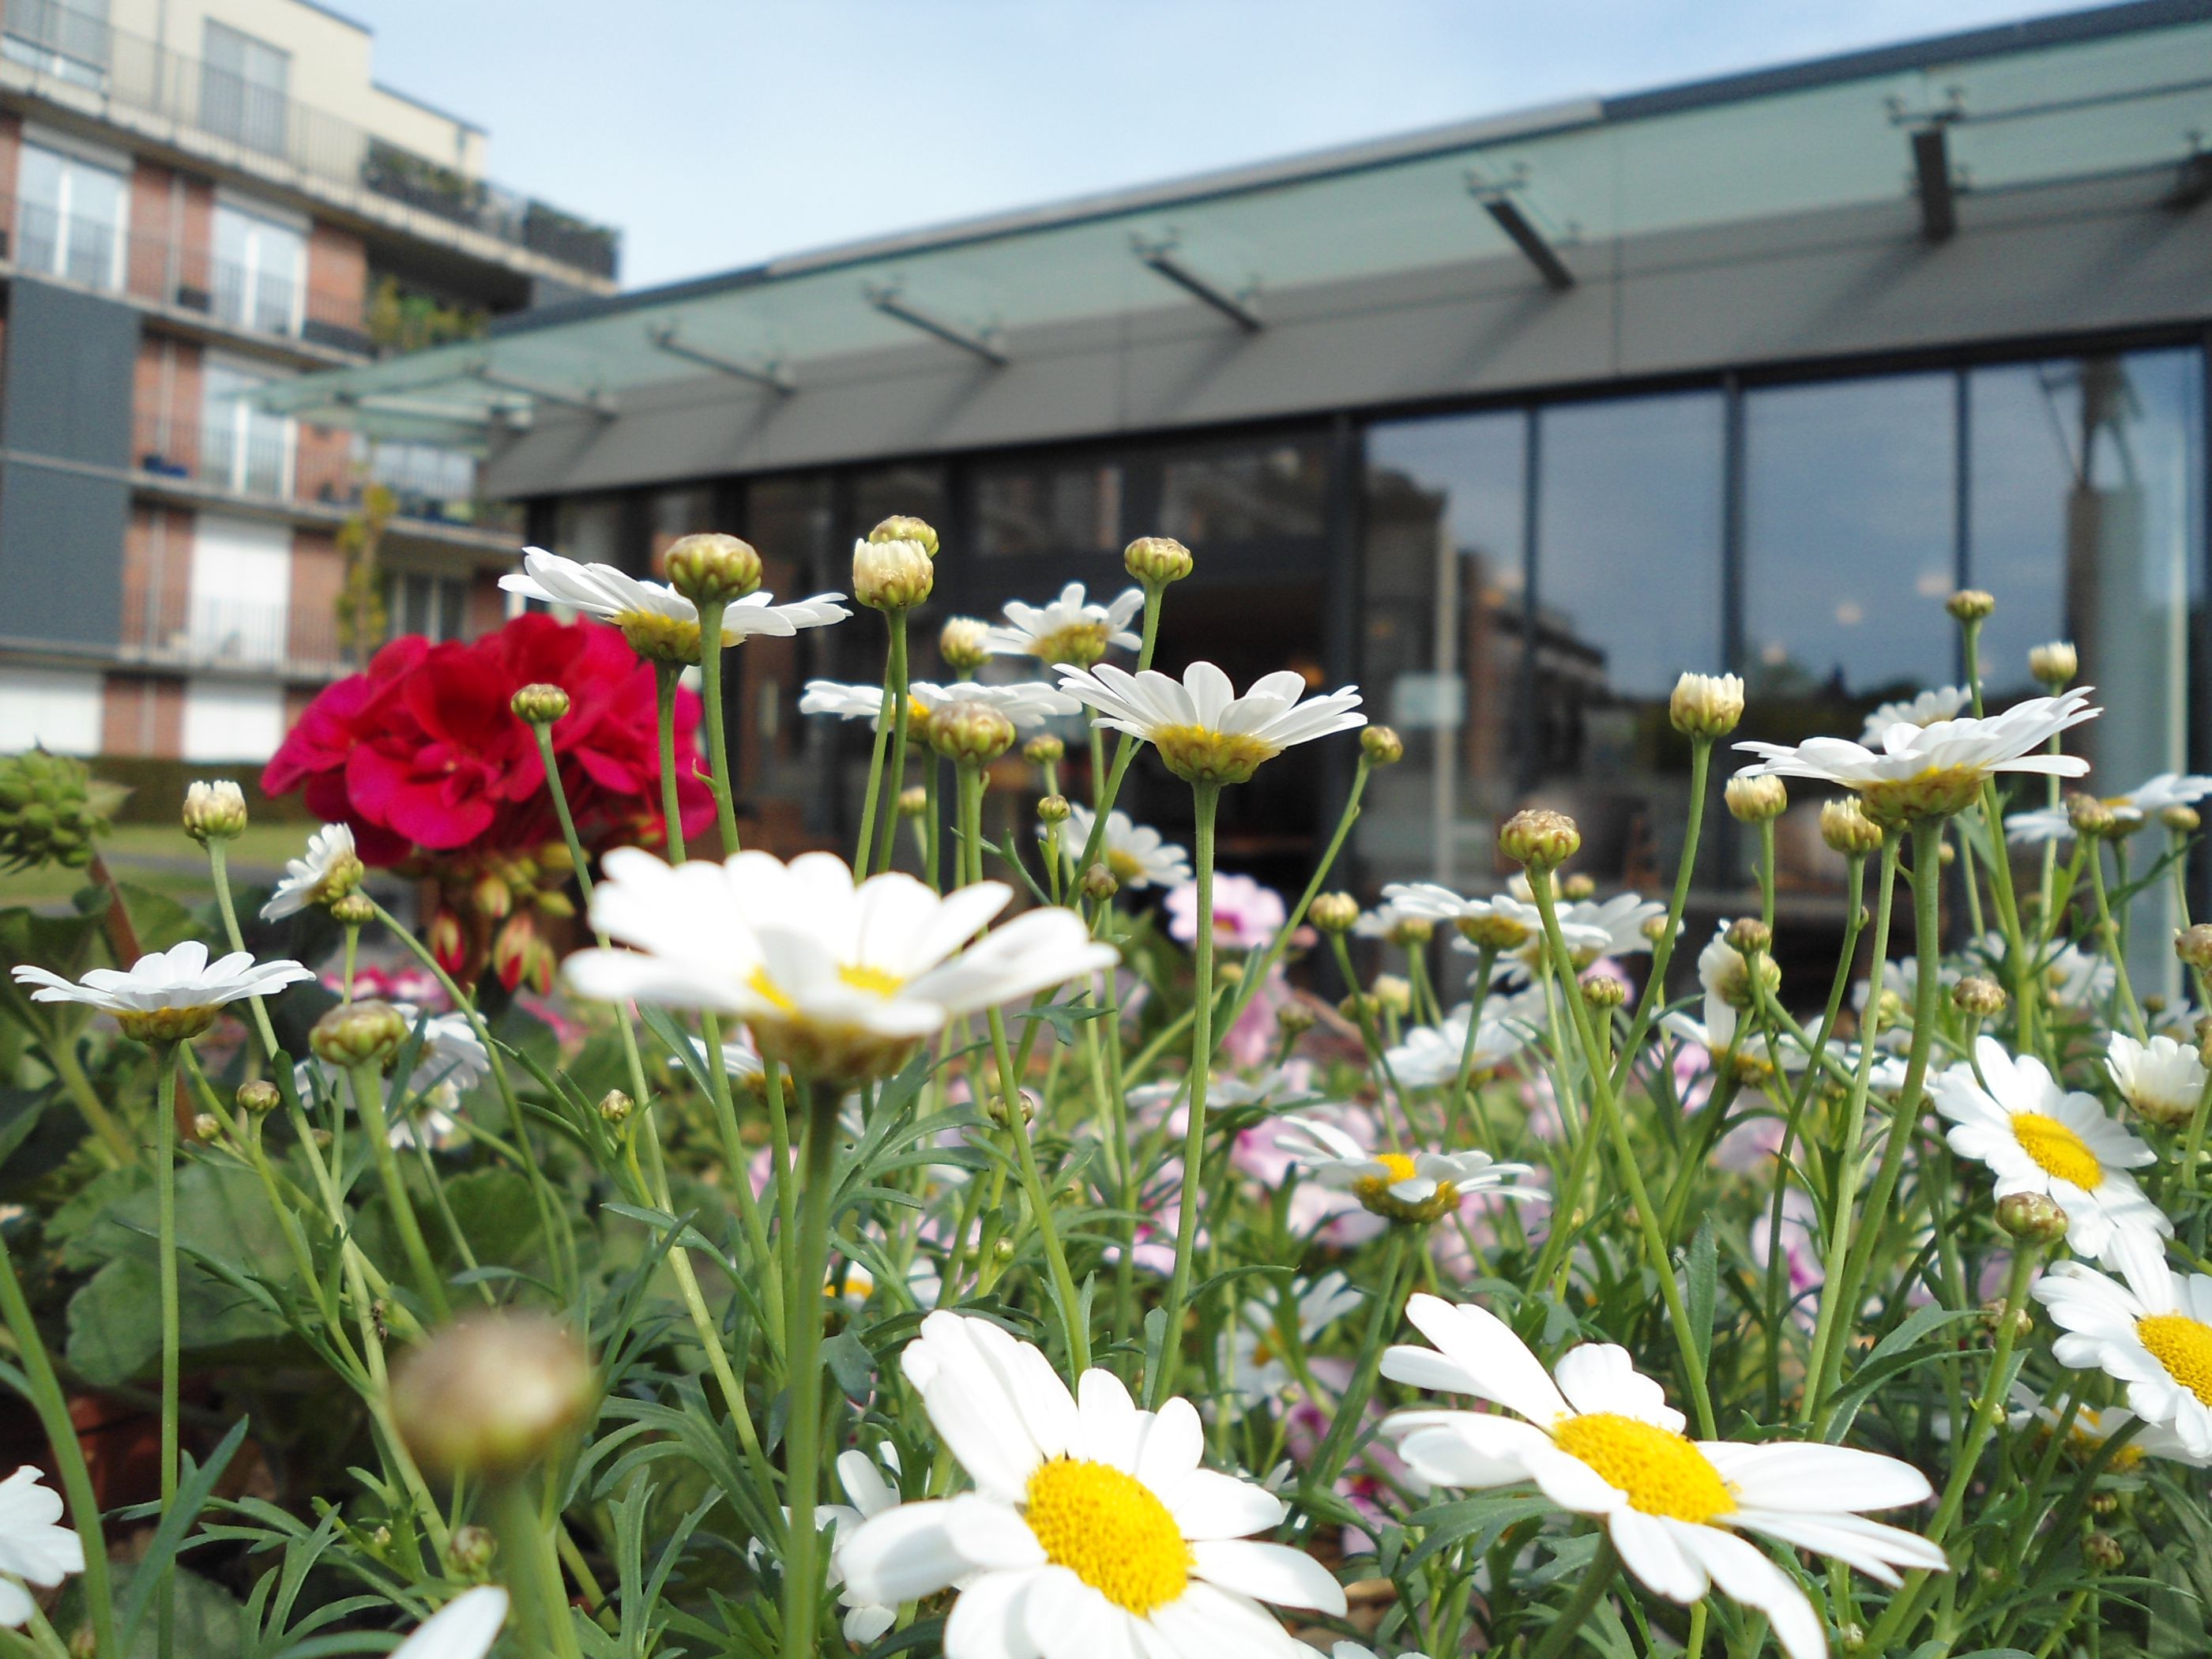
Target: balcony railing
[(206, 632), (244, 452), (64, 46), (168, 270)]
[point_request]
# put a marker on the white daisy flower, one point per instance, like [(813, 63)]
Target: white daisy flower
[(738, 1059), (2132, 810), (1069, 629), (452, 1061), (1726, 976), (465, 1628), (659, 622), (1204, 730), (1399, 1186), (1027, 704), (846, 701), (169, 995), (1137, 855), (1933, 770), (1253, 1346), (2093, 1426), (1387, 920), (2151, 1328), (1941, 703), (1589, 928), (2037, 1137), (1430, 1056), (331, 870), (839, 982), (34, 1549), (1092, 1519), (1601, 1441), (2164, 1080)]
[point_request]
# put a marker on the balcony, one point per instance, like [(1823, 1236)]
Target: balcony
[(74, 51), (237, 635), (242, 451)]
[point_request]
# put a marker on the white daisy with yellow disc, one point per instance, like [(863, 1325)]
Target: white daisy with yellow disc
[(2151, 1328), (1601, 1440), (1091, 1519), (2037, 1137), (1413, 1186)]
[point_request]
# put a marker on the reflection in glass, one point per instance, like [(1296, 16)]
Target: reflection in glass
[(1049, 507), (915, 491), (1250, 493), (781, 759), (672, 515), (1442, 638), (1628, 597)]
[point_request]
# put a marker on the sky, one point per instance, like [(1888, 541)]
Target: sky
[(717, 133)]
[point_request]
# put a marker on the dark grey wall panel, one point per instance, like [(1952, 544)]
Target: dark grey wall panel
[(2061, 260), (65, 403)]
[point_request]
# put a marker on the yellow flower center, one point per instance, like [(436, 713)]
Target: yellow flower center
[(1374, 1192), (1937, 793), (2184, 1346), (1110, 1531), (1081, 643), (1199, 754), (166, 1025), (877, 981), (767, 989), (2057, 1150), (1662, 1473), (1125, 868), (660, 638)]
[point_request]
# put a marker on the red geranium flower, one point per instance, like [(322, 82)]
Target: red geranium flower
[(422, 756)]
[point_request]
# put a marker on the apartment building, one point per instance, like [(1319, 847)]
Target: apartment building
[(200, 199)]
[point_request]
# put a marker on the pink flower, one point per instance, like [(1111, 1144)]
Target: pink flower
[(1246, 915)]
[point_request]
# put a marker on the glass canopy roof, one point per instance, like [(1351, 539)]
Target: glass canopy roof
[(2127, 89)]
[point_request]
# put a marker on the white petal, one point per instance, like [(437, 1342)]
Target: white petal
[(465, 1628), (1174, 1441), (1744, 1573), (1206, 1505), (1268, 1572), (1598, 1376), (1486, 1348), (918, 1549), (986, 1621), (1818, 1478), (1650, 1550)]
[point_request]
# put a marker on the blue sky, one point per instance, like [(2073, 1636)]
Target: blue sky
[(718, 132)]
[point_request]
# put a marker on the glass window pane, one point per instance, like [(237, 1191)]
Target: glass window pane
[(1056, 506), (1628, 597), (1443, 607), (881, 491), (1255, 492), (787, 768), (672, 515)]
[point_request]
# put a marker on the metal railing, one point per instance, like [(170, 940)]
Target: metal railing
[(219, 632), (170, 270), (66, 47)]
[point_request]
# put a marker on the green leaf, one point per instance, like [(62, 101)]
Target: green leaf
[(851, 1364)]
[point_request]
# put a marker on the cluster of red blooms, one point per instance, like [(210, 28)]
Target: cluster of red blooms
[(422, 754)]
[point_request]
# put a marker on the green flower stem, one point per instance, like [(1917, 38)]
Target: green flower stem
[(802, 1592), (1206, 797), (1766, 872), (1056, 1255), (895, 777), (369, 1104), (165, 1198), (666, 677), (1486, 964), (1975, 925), (219, 868), (2108, 938), (1988, 1406), (541, 1602), (2008, 907), (1371, 1044), (934, 834), (1597, 1579), (1124, 751), (737, 1163), (887, 713), (1607, 1109), (52, 1405), (1927, 912), (1662, 949), (551, 1216), (1382, 1318), (61, 1054), (718, 751)]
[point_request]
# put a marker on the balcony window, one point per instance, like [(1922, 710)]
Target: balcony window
[(70, 220), (260, 275), (243, 448), (245, 85), (240, 591), (66, 39), (426, 481), (436, 607)]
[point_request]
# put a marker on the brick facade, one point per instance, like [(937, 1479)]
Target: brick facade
[(143, 714), (318, 577), (157, 576)]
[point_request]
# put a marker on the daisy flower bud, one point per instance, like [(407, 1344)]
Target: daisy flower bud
[(1382, 746), (2090, 817), (1759, 799), (1295, 1019), (471, 1551), (615, 1107), (1334, 913), (1706, 705), (1848, 830), (539, 704), (709, 569), (2054, 665), (892, 575), (1970, 604), (1099, 884), (1156, 561), (1394, 996), (214, 811), (1577, 887), (1603, 992), (905, 527), (2182, 820), (1053, 809), (366, 1033), (970, 732), (2032, 1217), (2193, 945), (206, 1126), (1043, 749), (1540, 838), (355, 909), (2102, 1552), (260, 1096), (491, 1395), (913, 801), (1750, 935), (963, 644), (1979, 996)]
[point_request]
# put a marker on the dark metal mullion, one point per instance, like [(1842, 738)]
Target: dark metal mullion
[(1962, 504), (1724, 866), (1526, 769)]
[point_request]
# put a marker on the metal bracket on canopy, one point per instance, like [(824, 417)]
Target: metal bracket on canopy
[(768, 372), (1237, 299)]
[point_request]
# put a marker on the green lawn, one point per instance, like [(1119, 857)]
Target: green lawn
[(162, 857)]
